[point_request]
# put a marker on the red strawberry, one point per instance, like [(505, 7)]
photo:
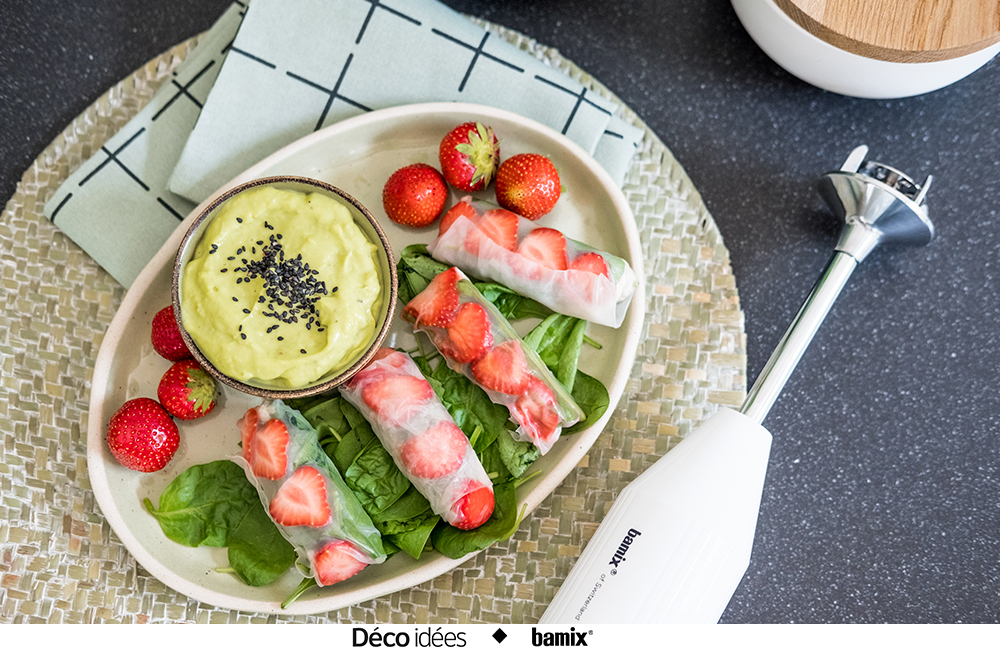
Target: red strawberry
[(269, 450), (528, 184), (166, 336), (187, 391), (301, 500), (545, 246), (501, 227), (437, 304), (437, 452), (469, 156), (142, 435), (337, 561), (461, 209), (474, 508), (535, 410), (469, 337), (414, 195), (248, 427), (396, 398), (503, 369), (592, 263), (392, 357)]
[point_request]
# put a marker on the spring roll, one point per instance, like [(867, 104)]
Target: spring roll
[(477, 341), (535, 261), (422, 438), (305, 496)]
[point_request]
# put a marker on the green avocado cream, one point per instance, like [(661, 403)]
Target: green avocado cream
[(283, 289)]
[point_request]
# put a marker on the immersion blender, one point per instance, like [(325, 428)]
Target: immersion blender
[(677, 540)]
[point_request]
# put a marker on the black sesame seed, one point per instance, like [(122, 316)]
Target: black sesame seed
[(243, 336), (235, 299), (281, 338), (246, 311), (223, 270), (302, 351), (239, 220)]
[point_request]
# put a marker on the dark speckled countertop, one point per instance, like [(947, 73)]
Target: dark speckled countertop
[(882, 499)]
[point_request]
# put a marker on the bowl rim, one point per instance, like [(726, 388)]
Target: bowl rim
[(291, 393)]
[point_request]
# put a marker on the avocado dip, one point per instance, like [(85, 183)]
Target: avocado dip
[(283, 289)]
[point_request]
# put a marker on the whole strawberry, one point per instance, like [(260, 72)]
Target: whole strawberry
[(528, 184), (166, 336), (414, 195), (187, 391), (142, 435), (469, 155)]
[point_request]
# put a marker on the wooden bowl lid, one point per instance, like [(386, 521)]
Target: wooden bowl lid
[(901, 31)]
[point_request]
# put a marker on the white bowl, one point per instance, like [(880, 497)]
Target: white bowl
[(821, 64)]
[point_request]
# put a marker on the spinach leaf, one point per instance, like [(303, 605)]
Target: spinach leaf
[(591, 396), (415, 270), (558, 340), (375, 479), (512, 305), (455, 543), (204, 504), (257, 552), (516, 455)]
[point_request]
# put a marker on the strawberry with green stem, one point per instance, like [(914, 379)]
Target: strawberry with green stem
[(187, 391), (469, 156)]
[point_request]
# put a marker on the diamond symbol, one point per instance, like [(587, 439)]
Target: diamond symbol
[(499, 635)]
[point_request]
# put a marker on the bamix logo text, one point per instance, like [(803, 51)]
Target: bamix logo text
[(567, 639), (619, 555)]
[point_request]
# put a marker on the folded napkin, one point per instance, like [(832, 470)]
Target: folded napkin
[(294, 68), (116, 206)]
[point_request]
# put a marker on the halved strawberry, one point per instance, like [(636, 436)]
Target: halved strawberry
[(545, 246), (503, 369), (301, 500), (394, 358), (396, 398), (337, 561), (501, 227), (437, 304), (461, 209), (535, 410), (469, 337), (269, 455), (248, 427), (474, 508), (592, 263), (437, 452)]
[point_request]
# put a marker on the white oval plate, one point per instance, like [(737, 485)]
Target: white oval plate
[(356, 155)]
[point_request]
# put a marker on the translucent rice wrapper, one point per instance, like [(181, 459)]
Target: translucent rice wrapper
[(421, 437), (544, 398), (595, 298), (348, 531)]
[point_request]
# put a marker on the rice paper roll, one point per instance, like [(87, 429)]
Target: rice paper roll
[(422, 438), (477, 341), (539, 262), (305, 496)]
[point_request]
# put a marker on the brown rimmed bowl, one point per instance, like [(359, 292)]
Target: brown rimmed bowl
[(369, 226)]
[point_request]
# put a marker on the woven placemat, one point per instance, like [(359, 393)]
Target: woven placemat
[(61, 562)]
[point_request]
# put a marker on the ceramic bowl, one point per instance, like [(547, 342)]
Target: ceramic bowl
[(369, 226)]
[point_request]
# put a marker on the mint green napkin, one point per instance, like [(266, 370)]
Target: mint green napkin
[(293, 68), (116, 206)]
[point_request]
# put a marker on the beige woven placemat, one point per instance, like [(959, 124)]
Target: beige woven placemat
[(61, 562)]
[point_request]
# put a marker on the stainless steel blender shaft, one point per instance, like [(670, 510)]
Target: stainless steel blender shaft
[(878, 204)]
